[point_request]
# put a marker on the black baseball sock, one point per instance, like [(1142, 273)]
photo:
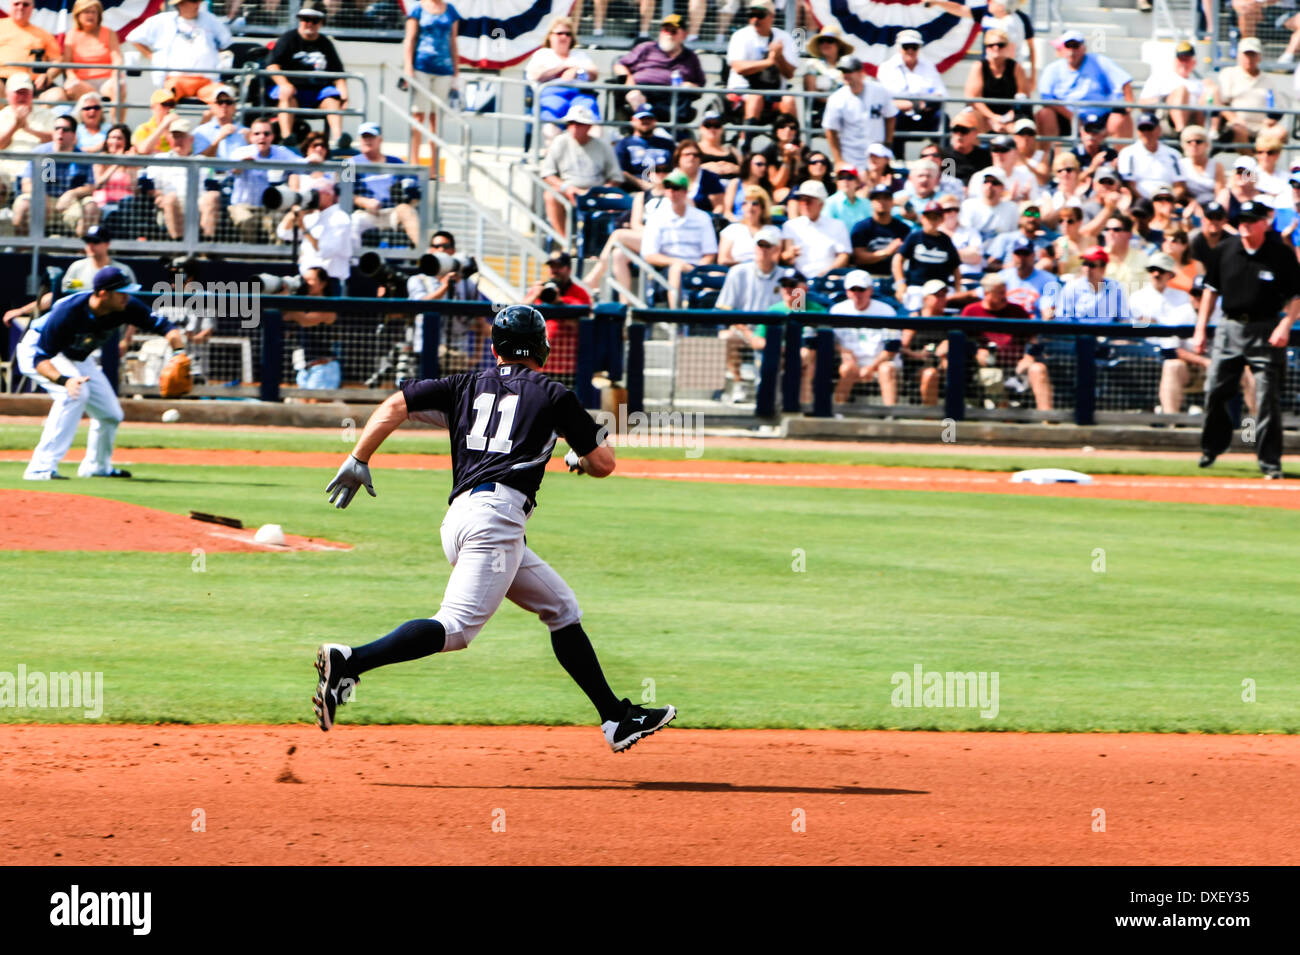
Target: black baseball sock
[(410, 641), (576, 655)]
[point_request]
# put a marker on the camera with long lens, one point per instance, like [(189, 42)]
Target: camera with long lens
[(280, 284), (550, 294), (277, 197), (184, 264), (432, 264)]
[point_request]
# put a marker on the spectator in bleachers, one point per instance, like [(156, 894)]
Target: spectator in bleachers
[(1286, 217), (720, 158), (1002, 19), (1247, 86), (461, 345), (1159, 303), (737, 242), (1111, 198), (114, 184), (315, 151), (1070, 189), (92, 126), (89, 41), (1036, 156), (645, 148), (1177, 246), (785, 165), (151, 136), (949, 185), (1094, 150), (22, 41), (1176, 84), (1165, 219), (575, 162), (876, 239), (1093, 297), (1148, 163), (879, 172), (68, 186), (1202, 173), (1242, 186), (1026, 284), (998, 351), (250, 219), (1021, 182), (304, 50), (1068, 249), (170, 183), (795, 299), (644, 206), (1185, 370), (908, 76), (846, 205), (23, 126), (1029, 229), (859, 113), (1080, 76), (866, 354), (989, 212), (921, 188), (927, 346), (753, 173), (1146, 236), (1213, 230), (379, 199), (762, 58), (815, 243), (325, 238), (749, 287), (221, 135), (998, 76), (963, 152), (969, 245), (818, 168), (1124, 262), (320, 369), (1271, 182), (679, 237), (820, 67), (704, 189), (927, 255), (184, 41), (556, 59), (657, 63)]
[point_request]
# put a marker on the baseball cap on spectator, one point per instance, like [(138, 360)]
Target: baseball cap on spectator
[(97, 233), (765, 5), (1096, 254), (994, 174), (1070, 36), (1030, 204), (711, 118), (112, 279), (673, 20), (831, 32), (19, 81), (1193, 132), (1294, 180), (1162, 191), (1142, 208), (1022, 244), (858, 279), (1148, 121), (162, 96), (560, 260), (934, 287), (1091, 119), (910, 38), (1106, 172), (769, 234), (310, 12), (643, 111), (222, 90), (181, 125), (1252, 212), (1214, 210), (1184, 49), (677, 179), (581, 114), (1002, 144), (791, 279), (1250, 45), (368, 129), (1245, 162), (880, 191), (1024, 126), (1065, 161), (880, 150), (849, 64), (848, 172), (1162, 261), (811, 189), (932, 208)]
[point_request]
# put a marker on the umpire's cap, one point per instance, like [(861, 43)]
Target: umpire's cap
[(519, 331)]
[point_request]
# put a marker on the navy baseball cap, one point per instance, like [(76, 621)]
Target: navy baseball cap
[(97, 233), (1091, 117), (1252, 212), (1214, 210), (880, 191), (1002, 144), (1022, 245), (112, 279), (1147, 121), (642, 111), (792, 278)]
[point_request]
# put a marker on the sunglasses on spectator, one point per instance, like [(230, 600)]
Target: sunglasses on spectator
[(666, 28), (711, 124), (953, 210), (961, 130), (91, 108), (441, 244), (817, 162), (1071, 219), (1194, 142), (1153, 272), (673, 188), (911, 46), (1094, 265), (1115, 228), (66, 129), (994, 46), (1162, 198), (1072, 44), (561, 33), (1268, 152), (1031, 214)]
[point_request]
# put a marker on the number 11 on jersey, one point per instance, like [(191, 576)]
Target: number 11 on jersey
[(500, 443)]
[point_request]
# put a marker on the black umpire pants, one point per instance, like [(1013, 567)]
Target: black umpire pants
[(1237, 344)]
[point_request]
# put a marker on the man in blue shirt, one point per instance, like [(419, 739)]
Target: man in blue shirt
[(67, 185), (1080, 76), (1092, 298), (1027, 285), (251, 220), (57, 353), (373, 202), (646, 149)]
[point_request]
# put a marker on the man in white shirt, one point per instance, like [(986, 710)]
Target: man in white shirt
[(184, 40), (865, 353), (575, 162), (171, 183), (325, 238), (1158, 304), (762, 56), (818, 243), (680, 237), (1021, 182), (1149, 163), (750, 287), (1176, 84), (990, 213), (859, 113), (907, 75)]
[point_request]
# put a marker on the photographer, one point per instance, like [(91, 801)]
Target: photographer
[(314, 359), (325, 237), (562, 333), (463, 336)]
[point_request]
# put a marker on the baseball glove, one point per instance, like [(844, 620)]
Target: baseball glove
[(176, 379)]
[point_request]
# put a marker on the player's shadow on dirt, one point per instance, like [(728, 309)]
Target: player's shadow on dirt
[(687, 787)]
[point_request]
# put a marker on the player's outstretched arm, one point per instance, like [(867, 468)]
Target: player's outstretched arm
[(355, 471), (598, 463)]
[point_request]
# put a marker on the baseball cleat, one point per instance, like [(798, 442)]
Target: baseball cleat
[(44, 476), (112, 472), (335, 685), (1206, 460), (638, 723)]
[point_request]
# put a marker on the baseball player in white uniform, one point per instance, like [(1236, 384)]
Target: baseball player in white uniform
[(504, 423)]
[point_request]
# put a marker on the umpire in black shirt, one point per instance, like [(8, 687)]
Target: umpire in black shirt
[(1255, 272)]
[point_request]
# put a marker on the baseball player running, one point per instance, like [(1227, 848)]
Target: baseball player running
[(56, 353), (504, 423)]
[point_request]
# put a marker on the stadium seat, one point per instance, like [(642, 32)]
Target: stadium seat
[(598, 211)]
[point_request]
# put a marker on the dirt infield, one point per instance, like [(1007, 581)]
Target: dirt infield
[(1194, 490), (46, 520), (384, 795)]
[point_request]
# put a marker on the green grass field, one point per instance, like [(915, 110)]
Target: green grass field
[(691, 586)]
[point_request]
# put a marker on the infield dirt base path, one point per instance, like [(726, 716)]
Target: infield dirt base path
[(377, 795)]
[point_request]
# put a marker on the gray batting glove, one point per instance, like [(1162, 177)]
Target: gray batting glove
[(351, 476), (574, 462)]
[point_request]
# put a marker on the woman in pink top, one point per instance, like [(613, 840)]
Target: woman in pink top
[(92, 43), (115, 183)]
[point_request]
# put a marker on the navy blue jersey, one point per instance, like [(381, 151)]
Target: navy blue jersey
[(72, 329), (503, 422)]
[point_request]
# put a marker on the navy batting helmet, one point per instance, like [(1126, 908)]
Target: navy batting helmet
[(519, 331)]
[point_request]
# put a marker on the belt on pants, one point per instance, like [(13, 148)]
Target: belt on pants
[(1244, 317), (490, 486)]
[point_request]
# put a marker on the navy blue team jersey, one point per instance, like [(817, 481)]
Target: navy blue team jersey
[(72, 329), (504, 423)]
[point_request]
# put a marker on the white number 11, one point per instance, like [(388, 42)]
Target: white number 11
[(476, 440)]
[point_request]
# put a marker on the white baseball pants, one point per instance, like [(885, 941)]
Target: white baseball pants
[(96, 399), (483, 538)]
